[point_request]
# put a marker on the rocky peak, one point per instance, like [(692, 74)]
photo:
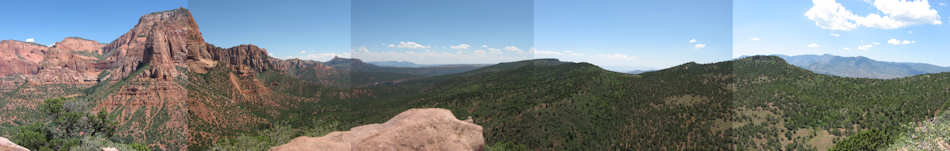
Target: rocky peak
[(162, 40), (170, 40)]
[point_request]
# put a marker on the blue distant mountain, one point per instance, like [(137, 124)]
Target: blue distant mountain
[(861, 67), (404, 64)]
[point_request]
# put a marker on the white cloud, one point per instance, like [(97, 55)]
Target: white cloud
[(876, 43), (831, 15), (813, 45), (303, 51), (460, 46), (835, 35), (699, 46), (908, 42), (513, 49), (30, 40), (755, 39), (409, 45), (484, 46), (942, 4), (362, 49), (910, 32), (865, 47), (846, 48), (894, 41), (692, 40)]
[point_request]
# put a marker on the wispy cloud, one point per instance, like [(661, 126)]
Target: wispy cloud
[(513, 49), (460, 46), (865, 47), (813, 45), (699, 46), (408, 45), (30, 40), (894, 41)]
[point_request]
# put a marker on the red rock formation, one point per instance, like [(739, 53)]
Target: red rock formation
[(17, 57), (80, 44), (152, 103), (164, 46), (414, 129)]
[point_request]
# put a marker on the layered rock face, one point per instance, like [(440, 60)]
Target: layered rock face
[(414, 129), (71, 62), (142, 77), (17, 57), (169, 39), (152, 60)]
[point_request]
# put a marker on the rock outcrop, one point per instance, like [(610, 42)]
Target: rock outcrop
[(415, 129), (7, 145)]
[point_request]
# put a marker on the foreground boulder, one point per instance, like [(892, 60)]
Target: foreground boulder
[(415, 129), (7, 145)]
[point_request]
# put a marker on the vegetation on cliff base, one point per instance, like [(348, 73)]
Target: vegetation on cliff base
[(66, 128)]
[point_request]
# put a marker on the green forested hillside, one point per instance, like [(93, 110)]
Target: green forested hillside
[(806, 109), (753, 103)]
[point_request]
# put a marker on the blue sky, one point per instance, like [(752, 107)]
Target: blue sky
[(888, 30), (49, 21), (317, 29), (625, 35), (442, 31)]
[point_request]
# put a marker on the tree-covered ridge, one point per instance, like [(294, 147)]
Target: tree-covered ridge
[(757, 103), (806, 108), (551, 105)]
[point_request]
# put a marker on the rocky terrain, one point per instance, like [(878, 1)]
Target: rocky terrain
[(6, 145), (414, 129)]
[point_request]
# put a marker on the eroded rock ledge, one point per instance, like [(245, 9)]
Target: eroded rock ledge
[(414, 129)]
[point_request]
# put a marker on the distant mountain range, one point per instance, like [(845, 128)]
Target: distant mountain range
[(405, 64), (638, 71), (861, 67)]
